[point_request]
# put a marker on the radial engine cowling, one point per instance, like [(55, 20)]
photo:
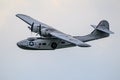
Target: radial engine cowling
[(35, 29), (41, 30), (45, 32)]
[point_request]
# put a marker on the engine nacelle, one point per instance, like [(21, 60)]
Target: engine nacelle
[(41, 30), (35, 29), (45, 32)]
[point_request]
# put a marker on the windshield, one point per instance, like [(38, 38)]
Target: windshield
[(31, 39)]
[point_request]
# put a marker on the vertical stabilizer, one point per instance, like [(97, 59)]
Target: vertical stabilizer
[(102, 29)]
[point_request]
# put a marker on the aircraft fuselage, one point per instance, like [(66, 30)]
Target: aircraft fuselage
[(39, 43)]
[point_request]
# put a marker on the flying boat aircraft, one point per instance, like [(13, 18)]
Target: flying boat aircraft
[(51, 39)]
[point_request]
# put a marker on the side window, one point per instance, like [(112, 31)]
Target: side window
[(62, 42), (43, 43)]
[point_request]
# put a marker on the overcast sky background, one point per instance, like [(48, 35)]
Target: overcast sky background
[(74, 17)]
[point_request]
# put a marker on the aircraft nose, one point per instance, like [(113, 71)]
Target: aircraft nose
[(19, 45)]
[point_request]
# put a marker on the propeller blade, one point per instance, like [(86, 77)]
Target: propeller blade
[(32, 26), (40, 29), (29, 27)]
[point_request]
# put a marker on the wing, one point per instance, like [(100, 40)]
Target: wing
[(68, 38), (30, 20), (52, 31)]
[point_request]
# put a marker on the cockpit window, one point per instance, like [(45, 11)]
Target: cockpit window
[(31, 39)]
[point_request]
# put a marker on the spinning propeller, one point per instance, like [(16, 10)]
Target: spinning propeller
[(39, 30), (31, 28), (36, 29)]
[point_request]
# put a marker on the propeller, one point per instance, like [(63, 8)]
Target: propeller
[(31, 28), (39, 30)]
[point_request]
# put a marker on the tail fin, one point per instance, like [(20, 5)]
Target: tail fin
[(101, 30)]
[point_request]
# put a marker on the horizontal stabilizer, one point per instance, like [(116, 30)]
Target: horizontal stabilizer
[(94, 26), (101, 29), (105, 30)]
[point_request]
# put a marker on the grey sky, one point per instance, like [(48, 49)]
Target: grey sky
[(100, 62)]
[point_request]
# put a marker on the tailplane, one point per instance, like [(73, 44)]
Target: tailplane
[(102, 29)]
